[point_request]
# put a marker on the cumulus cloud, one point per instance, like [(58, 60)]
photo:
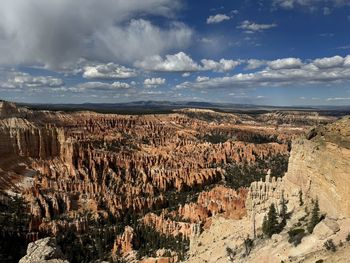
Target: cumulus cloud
[(108, 71), (283, 72), (154, 82), (66, 30), (120, 85), (330, 62), (181, 62), (21, 80), (222, 65), (218, 18), (251, 27), (285, 63)]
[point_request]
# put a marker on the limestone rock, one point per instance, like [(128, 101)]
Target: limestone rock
[(124, 243), (326, 228), (319, 167), (43, 251)]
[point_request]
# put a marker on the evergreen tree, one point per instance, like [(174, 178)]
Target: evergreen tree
[(270, 225), (315, 217), (283, 213)]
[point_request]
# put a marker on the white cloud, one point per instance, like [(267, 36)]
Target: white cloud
[(181, 62), (329, 62), (108, 71), (66, 30), (222, 65), (285, 63), (251, 27), (21, 80), (120, 85), (347, 61), (98, 86), (186, 74), (154, 82), (201, 79), (255, 63), (283, 72), (140, 39), (151, 92), (218, 18)]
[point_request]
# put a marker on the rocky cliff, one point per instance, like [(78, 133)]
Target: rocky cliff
[(319, 166), (318, 170)]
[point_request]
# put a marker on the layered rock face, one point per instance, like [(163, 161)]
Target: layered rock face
[(19, 137), (318, 170), (319, 167)]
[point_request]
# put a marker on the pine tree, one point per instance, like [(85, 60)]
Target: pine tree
[(315, 217), (283, 213), (270, 225)]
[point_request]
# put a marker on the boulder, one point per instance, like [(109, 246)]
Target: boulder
[(326, 228), (44, 251)]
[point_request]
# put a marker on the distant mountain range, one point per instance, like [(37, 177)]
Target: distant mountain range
[(152, 107)]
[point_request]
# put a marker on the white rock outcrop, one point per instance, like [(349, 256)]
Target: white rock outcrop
[(43, 251)]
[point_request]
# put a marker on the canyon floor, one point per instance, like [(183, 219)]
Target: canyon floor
[(191, 185)]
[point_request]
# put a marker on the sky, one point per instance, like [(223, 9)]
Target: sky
[(267, 52)]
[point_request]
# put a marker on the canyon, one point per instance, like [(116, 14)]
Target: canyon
[(182, 186)]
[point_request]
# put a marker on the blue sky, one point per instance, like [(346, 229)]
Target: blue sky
[(271, 52)]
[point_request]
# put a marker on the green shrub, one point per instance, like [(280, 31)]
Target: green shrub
[(348, 237), (296, 235), (329, 245)]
